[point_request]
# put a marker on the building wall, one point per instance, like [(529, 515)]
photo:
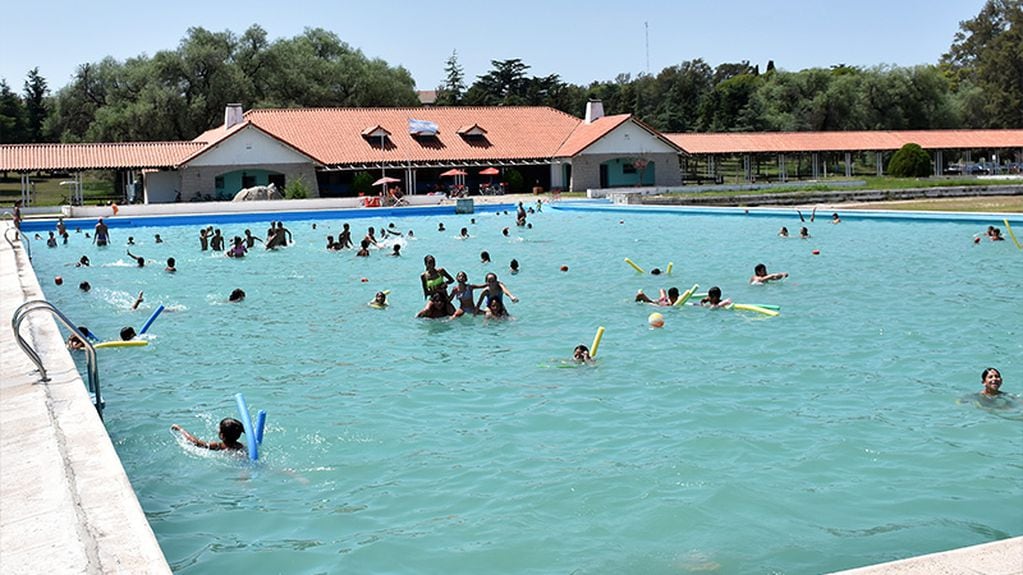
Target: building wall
[(201, 180), (586, 169), (161, 187)]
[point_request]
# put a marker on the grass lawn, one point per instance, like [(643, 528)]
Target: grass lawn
[(96, 187), (979, 204)]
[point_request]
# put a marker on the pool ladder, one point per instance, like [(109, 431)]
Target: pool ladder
[(19, 236), (90, 352)]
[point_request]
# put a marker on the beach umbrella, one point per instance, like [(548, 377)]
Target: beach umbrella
[(453, 172), (490, 172), (386, 180)]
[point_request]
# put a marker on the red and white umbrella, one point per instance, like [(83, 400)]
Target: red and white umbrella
[(490, 172), (386, 180)]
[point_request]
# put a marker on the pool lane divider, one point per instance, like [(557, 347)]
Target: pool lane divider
[(253, 435)]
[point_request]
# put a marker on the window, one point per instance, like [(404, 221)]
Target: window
[(628, 168), (277, 180)]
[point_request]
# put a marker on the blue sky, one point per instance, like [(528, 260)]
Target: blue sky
[(579, 41)]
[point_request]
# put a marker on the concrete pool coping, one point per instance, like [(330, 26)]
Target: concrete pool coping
[(66, 504)]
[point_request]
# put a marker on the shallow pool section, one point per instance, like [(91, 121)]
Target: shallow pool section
[(831, 436)]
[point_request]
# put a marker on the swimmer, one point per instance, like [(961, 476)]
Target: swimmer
[(250, 240), (128, 333), (990, 231), (83, 262), (396, 250), (344, 240), (217, 241), (74, 342), (504, 232), (991, 379), (51, 242), (332, 246), (581, 354), (139, 260), (484, 257), (436, 280), (655, 272), (835, 219), (462, 293), (760, 275), (61, 228), (236, 296), (379, 300), (494, 290), (666, 299), (371, 237), (435, 308), (464, 233), (714, 300), (158, 239), (131, 240), (238, 249), (996, 235), (102, 235), (440, 227), (85, 286), (495, 309), (513, 267), (230, 430), (138, 302), (170, 266), (204, 240), (363, 250), (804, 234), (783, 232)]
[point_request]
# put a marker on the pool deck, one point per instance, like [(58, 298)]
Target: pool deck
[(66, 505)]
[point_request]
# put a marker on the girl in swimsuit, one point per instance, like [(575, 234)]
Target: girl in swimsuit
[(436, 280), (462, 292)]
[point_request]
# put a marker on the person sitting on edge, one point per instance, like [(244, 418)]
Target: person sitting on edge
[(666, 299), (435, 308), (714, 300), (364, 250), (379, 300), (783, 232), (128, 333), (581, 354), (230, 430), (170, 266), (760, 275), (138, 259)]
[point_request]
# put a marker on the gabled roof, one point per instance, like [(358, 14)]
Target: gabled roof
[(585, 135), (333, 136), (210, 139), (136, 155), (784, 142)]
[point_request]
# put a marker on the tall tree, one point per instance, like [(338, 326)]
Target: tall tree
[(12, 116), (988, 53), (504, 85), (35, 104), (451, 92)]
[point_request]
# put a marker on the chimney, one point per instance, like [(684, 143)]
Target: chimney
[(232, 115), (594, 111)]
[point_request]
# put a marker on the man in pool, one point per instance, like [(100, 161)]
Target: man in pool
[(760, 275), (102, 235), (714, 300), (230, 430)]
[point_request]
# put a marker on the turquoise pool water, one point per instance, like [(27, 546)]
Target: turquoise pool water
[(829, 437)]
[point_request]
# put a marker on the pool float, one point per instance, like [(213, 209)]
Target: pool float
[(670, 265), (132, 343), (634, 266), (596, 341), (1012, 235), (252, 441), (682, 299), (749, 307), (152, 318)]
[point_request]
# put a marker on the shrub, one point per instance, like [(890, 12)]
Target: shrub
[(296, 189), (910, 161), (516, 184), (362, 184)]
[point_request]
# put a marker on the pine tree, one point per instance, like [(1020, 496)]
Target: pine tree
[(35, 104), (453, 90)]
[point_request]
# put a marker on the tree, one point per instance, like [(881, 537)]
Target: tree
[(12, 116), (910, 161), (987, 52), (451, 92), (362, 184), (504, 85), (35, 104)]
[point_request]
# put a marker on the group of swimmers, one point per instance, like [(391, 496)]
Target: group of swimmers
[(441, 302)]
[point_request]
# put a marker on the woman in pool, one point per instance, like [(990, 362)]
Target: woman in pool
[(493, 290), (713, 299), (436, 280), (379, 301), (102, 235), (760, 275), (436, 307), (462, 293)]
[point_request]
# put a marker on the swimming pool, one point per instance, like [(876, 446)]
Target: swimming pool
[(825, 438)]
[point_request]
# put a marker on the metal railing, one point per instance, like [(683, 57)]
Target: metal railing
[(90, 351), (19, 235)]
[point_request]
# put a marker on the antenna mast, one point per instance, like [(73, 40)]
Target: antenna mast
[(646, 32)]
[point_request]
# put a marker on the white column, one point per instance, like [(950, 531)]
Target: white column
[(938, 162), (815, 165), (878, 159), (848, 165), (782, 172)]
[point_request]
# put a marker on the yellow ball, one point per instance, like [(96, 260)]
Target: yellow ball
[(655, 320)]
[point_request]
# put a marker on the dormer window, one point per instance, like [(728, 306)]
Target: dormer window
[(473, 131), (377, 136)]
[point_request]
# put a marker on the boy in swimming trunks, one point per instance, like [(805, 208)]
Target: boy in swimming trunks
[(714, 300), (666, 299), (760, 275), (102, 235), (230, 430)]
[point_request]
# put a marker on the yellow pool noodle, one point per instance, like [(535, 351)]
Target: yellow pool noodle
[(670, 265), (682, 299), (758, 309), (133, 343), (1011, 234), (596, 341), (634, 266)]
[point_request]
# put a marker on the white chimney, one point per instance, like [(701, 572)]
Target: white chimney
[(594, 111), (232, 115)]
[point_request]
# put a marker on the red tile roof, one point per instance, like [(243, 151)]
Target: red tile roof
[(30, 157), (333, 136), (585, 134), (779, 142)]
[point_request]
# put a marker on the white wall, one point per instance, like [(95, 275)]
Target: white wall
[(249, 147), (230, 207), (629, 139), (161, 187)]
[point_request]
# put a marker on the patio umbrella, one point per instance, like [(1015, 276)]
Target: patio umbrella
[(386, 180), (453, 172), (490, 172)]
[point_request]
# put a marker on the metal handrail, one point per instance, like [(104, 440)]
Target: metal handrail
[(90, 351), (19, 235)]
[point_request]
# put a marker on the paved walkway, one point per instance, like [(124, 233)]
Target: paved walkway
[(66, 505)]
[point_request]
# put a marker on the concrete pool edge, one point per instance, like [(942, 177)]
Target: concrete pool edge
[(1003, 557), (66, 504)]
